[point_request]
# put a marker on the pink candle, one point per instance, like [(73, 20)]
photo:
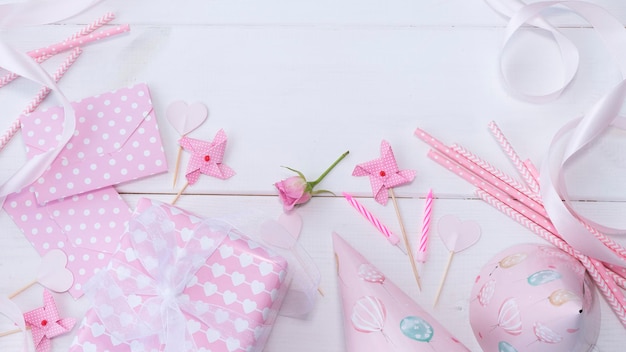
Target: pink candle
[(393, 239), (423, 246)]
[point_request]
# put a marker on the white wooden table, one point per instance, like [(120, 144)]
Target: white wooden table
[(297, 83)]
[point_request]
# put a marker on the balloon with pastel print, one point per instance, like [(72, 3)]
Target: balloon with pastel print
[(486, 292), (509, 317), (368, 314), (416, 329), (543, 277), (545, 334), (512, 260), (369, 273), (562, 296), (504, 346)]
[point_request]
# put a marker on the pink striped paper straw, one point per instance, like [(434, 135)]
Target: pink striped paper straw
[(108, 17), (428, 210), (391, 237), (603, 277), (39, 98), (514, 157)]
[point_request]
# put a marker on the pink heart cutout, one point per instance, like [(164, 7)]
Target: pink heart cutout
[(292, 222), (186, 118), (458, 235), (52, 272)]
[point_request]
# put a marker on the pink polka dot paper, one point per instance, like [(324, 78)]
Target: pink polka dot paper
[(116, 140)]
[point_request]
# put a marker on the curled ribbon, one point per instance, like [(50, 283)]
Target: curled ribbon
[(575, 228), (166, 269)]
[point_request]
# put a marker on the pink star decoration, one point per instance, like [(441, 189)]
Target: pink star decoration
[(384, 173), (45, 323), (206, 157)]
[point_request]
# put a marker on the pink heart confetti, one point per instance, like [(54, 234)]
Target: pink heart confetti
[(283, 233), (458, 235), (52, 272), (186, 118)]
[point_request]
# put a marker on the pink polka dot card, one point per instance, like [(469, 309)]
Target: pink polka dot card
[(116, 140), (179, 282)]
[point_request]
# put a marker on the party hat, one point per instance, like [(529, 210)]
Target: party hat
[(379, 316)]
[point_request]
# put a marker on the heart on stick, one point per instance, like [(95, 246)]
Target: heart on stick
[(52, 272), (458, 235), (186, 118)]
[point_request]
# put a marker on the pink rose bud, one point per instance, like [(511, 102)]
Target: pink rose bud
[(293, 191), (297, 190)]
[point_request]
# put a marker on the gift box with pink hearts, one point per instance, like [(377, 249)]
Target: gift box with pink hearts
[(178, 282)]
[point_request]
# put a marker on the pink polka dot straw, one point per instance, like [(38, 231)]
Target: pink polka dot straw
[(206, 158), (384, 174)]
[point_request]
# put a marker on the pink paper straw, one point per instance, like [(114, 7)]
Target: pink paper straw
[(428, 210), (95, 25), (39, 98), (603, 277), (496, 172), (72, 43), (514, 157), (482, 175), (391, 237)]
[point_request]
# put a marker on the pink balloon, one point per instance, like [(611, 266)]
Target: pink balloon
[(509, 317), (368, 314), (545, 334), (369, 273), (486, 292)]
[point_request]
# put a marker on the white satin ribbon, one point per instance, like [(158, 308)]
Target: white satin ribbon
[(13, 312), (30, 13), (579, 133)]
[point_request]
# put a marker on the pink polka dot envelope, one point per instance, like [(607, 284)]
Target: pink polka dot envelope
[(181, 283), (73, 206), (116, 140)]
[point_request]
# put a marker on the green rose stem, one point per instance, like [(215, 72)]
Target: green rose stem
[(319, 179)]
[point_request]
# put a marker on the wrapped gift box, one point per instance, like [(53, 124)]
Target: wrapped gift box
[(181, 283)]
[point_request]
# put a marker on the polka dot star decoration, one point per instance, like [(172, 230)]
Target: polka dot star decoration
[(384, 175), (206, 158)]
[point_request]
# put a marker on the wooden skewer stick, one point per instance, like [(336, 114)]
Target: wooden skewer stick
[(24, 288), (407, 244), (11, 332), (180, 193), (443, 278), (180, 152)]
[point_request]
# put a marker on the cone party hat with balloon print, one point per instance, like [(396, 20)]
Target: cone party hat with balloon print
[(379, 316)]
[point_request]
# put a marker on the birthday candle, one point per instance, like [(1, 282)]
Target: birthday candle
[(391, 237), (428, 209)]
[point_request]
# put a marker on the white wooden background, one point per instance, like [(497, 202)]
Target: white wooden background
[(299, 82)]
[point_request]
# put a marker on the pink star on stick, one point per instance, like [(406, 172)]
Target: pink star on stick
[(45, 323), (206, 158), (384, 173)]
